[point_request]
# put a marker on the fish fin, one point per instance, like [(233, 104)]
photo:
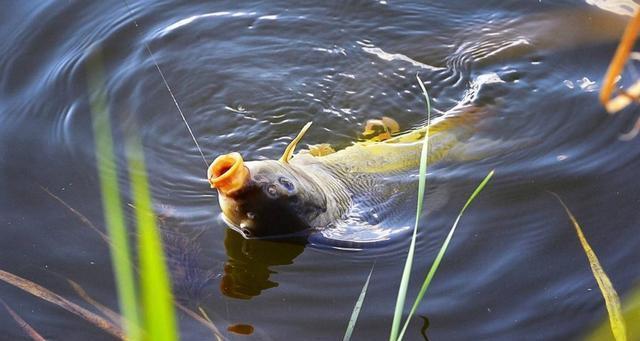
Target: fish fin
[(380, 129), (463, 116), (321, 149), (288, 152)]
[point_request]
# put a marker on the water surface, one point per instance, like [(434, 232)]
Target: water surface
[(248, 76)]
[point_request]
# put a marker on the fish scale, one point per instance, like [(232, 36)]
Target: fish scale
[(376, 178)]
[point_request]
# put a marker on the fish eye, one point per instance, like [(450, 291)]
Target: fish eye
[(288, 185), (272, 191)]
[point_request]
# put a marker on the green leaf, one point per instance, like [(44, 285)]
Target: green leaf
[(631, 314), (111, 202), (406, 273), (443, 249), (356, 308), (157, 300), (611, 299)]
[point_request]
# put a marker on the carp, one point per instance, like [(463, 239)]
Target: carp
[(319, 188)]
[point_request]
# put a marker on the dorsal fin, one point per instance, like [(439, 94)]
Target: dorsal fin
[(288, 152)]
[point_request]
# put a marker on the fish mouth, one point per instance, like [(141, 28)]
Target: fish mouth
[(227, 173), (237, 227)]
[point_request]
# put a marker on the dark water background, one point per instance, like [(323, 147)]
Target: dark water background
[(248, 75)]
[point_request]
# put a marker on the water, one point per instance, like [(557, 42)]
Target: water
[(248, 76)]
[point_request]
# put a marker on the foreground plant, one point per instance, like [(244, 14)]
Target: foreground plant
[(157, 300), (356, 309), (443, 249), (112, 316), (24, 325), (422, 180), (611, 299), (396, 334), (614, 73), (111, 201), (618, 62), (47, 295), (631, 315)]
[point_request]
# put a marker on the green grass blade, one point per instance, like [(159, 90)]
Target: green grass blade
[(406, 273), (112, 205), (631, 314), (157, 301), (356, 308), (611, 299), (443, 249)]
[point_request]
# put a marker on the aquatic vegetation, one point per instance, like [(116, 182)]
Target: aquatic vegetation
[(618, 62), (79, 215), (611, 299), (111, 201), (157, 302), (631, 315), (33, 334), (47, 295), (205, 321), (613, 75), (443, 249), (402, 291), (157, 299), (357, 307), (104, 310), (422, 179)]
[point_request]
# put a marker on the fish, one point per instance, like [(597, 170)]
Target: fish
[(319, 187)]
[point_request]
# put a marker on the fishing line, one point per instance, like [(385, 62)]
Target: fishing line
[(166, 84)]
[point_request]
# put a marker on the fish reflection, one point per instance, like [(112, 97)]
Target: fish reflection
[(247, 270)]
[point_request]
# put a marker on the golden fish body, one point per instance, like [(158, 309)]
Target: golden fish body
[(364, 183)]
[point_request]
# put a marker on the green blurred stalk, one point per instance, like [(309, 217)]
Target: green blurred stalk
[(111, 202), (157, 300)]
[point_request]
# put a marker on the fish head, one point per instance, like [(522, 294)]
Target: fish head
[(265, 198)]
